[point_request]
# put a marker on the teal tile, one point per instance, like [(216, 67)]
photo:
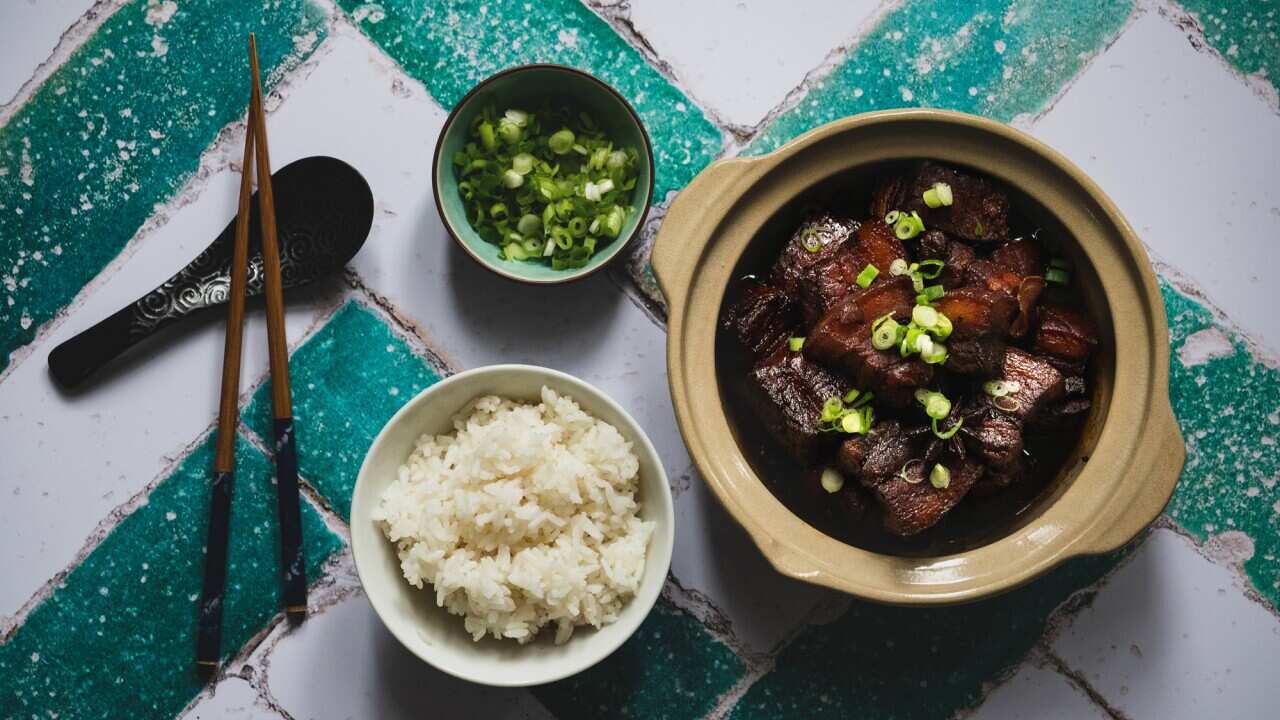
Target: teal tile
[(1246, 32), (905, 663), (1229, 411), (118, 128), (348, 379), (117, 636), (670, 668), (997, 58), (450, 45)]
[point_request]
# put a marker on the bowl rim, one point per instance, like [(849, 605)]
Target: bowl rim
[(713, 221), (616, 247), (646, 595)]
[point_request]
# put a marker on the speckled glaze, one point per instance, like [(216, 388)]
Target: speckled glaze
[(1116, 481)]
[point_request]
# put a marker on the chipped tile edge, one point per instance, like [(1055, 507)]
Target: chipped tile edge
[(71, 39), (1186, 21)]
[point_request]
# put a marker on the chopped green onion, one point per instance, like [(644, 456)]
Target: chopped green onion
[(977, 228), (514, 251), (863, 400), (909, 341), (931, 198), (885, 336), (932, 292), (832, 409), (487, 138), (944, 193), (795, 344), (578, 226), (1057, 275), (942, 330), (850, 396), (561, 141), (906, 474), (529, 224), (533, 246), (935, 354), (831, 480), (522, 163), (1000, 388), (519, 118), (1007, 404), (892, 217), (613, 222), (899, 267), (868, 274), (1060, 263), (940, 476), (498, 211), (853, 423), (512, 179), (904, 228), (810, 240), (509, 131), (924, 316), (934, 264), (948, 433)]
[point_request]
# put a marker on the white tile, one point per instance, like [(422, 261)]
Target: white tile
[(1191, 156), (473, 318), (741, 58), (1035, 692), (345, 664), (1172, 636), (232, 698), (29, 30), (70, 459)]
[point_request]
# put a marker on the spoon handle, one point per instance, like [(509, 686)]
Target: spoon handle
[(81, 356)]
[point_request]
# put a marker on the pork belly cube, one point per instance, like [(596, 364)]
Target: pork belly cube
[(887, 195), (831, 231), (910, 507), (826, 283), (1065, 334), (882, 451), (995, 437), (980, 321), (955, 255), (761, 318), (1021, 255), (847, 507), (996, 479), (787, 392), (976, 311), (1069, 410), (842, 340), (1039, 384), (978, 211)]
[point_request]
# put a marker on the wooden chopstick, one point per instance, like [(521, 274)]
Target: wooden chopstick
[(292, 566), (209, 632)]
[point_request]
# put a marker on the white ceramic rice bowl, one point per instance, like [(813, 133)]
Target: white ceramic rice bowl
[(412, 616)]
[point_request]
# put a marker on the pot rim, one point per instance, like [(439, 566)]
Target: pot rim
[(1138, 452)]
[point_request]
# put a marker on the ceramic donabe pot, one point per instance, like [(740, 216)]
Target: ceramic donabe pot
[(1116, 479)]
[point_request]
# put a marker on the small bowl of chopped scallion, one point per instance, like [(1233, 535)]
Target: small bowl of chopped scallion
[(543, 173)]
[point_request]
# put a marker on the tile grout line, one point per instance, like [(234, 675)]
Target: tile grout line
[(71, 39), (618, 17), (116, 515), (1190, 25), (1080, 683), (218, 156)]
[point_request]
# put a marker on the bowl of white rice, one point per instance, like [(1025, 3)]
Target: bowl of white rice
[(512, 525)]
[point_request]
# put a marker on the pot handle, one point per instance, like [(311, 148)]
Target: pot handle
[(1162, 466), (678, 245)]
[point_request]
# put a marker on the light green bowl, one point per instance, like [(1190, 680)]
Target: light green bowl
[(528, 86)]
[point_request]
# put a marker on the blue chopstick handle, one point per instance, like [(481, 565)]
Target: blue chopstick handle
[(292, 565), (209, 623)]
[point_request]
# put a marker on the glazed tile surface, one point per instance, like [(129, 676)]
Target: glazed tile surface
[(119, 161)]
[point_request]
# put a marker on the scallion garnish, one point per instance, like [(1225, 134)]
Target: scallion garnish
[(831, 480), (563, 194), (938, 195), (936, 405), (946, 434), (908, 226), (795, 343), (940, 476), (810, 240), (898, 267), (892, 217), (884, 333), (843, 415), (867, 276), (1057, 275)]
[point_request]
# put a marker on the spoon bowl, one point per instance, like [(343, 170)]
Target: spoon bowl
[(324, 210)]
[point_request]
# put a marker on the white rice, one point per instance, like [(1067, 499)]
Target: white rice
[(524, 516)]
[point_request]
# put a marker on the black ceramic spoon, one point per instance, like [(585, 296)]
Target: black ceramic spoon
[(324, 210)]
